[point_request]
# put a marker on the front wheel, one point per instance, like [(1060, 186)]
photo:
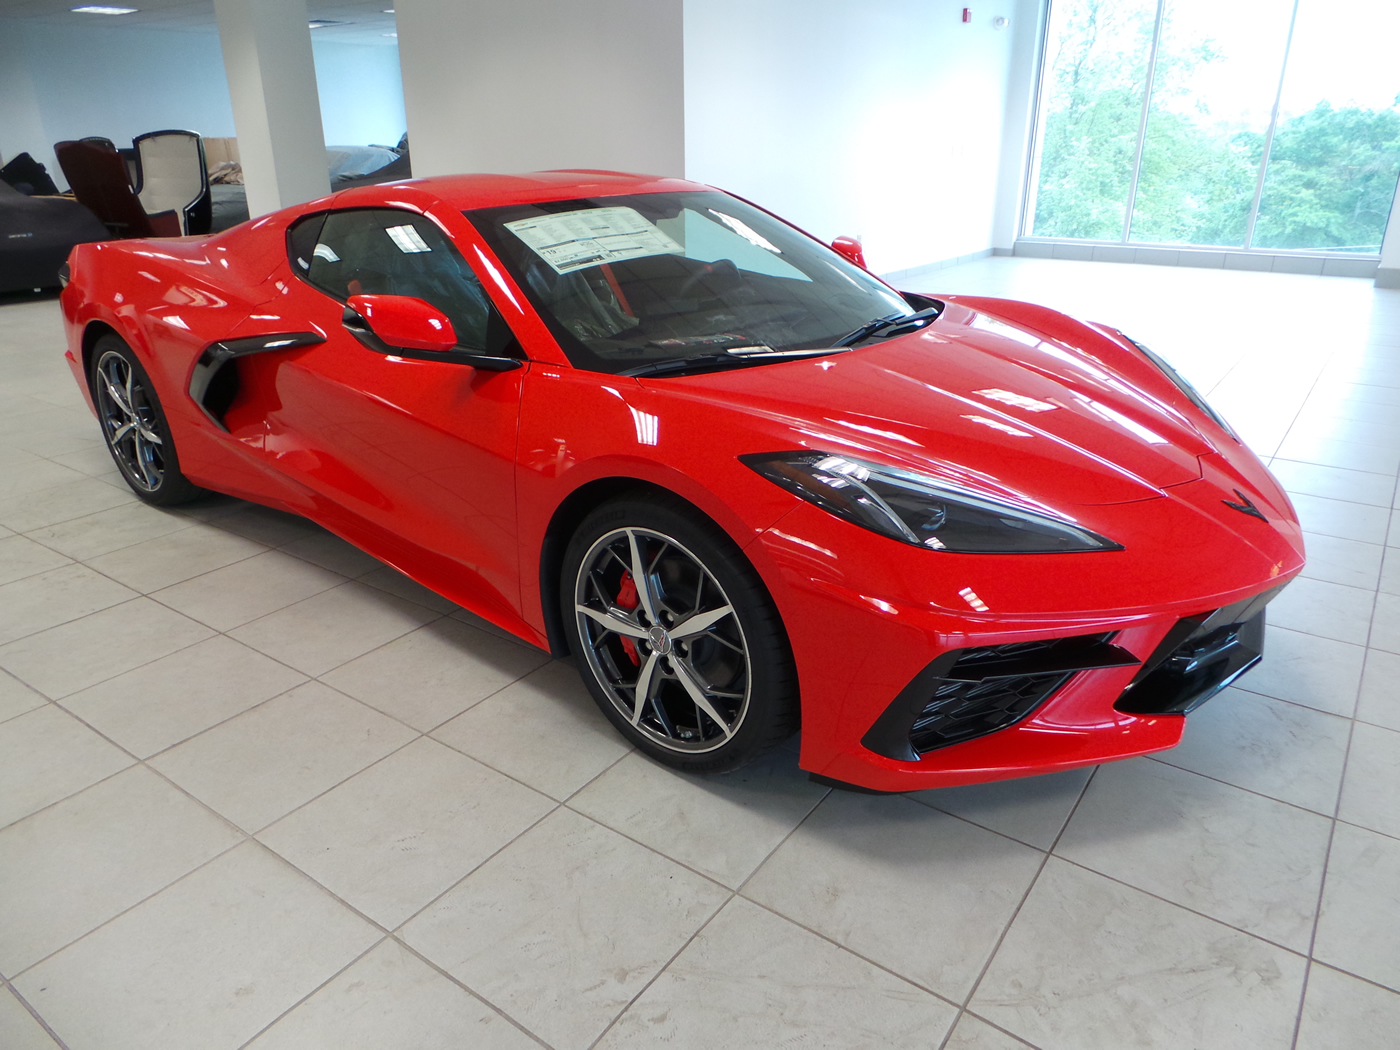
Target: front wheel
[(134, 426), (676, 637)]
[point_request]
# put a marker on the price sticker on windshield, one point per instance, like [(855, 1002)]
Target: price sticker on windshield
[(575, 240)]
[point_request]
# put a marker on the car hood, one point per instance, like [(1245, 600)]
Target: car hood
[(981, 401)]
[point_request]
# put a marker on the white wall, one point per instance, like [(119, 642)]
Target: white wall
[(532, 84), (361, 93), (62, 82), (118, 83), (882, 119)]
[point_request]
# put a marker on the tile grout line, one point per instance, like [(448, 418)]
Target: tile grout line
[(1336, 818), (48, 1030), (1001, 938)]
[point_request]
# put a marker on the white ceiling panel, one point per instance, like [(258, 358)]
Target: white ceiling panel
[(364, 20)]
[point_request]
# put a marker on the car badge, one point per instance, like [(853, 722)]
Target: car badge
[(1245, 506)]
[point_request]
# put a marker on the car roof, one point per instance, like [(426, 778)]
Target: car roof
[(466, 192)]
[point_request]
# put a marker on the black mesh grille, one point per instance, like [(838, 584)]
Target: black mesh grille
[(962, 710)]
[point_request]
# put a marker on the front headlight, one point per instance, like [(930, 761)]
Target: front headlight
[(919, 510), (1185, 387)]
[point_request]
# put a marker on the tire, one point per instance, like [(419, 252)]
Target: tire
[(134, 426), (716, 697)]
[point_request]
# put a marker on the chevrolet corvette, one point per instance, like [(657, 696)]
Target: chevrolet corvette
[(745, 484)]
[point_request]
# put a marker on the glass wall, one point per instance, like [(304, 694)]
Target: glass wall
[(1266, 124)]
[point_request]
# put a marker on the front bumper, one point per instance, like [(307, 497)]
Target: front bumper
[(873, 657)]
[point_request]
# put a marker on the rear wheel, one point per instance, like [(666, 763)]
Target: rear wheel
[(676, 637), (135, 427)]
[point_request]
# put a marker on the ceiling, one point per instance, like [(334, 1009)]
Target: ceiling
[(365, 20)]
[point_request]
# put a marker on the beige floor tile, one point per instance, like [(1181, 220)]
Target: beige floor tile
[(391, 998), (21, 557), (109, 530), (56, 596), (1335, 452), (18, 1029), (264, 763), (68, 869), (1341, 519), (1328, 610), (74, 499), (207, 963), (1281, 750), (483, 624), (16, 698), (1316, 672), (25, 474), (331, 628), (1031, 809), (403, 831), (919, 892), (1248, 861), (1342, 1013), (395, 582), (563, 927), (722, 826), (1355, 486), (47, 755), (779, 986), (171, 699), (1090, 964), (544, 730), (1385, 624), (1349, 562), (1371, 790), (1390, 571), (972, 1033), (435, 672), (240, 593), (1379, 702), (83, 652), (172, 559), (94, 462), (1358, 929), (331, 552), (272, 527)]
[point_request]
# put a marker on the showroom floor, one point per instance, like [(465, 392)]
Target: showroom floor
[(258, 790)]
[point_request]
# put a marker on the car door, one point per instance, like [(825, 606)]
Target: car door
[(414, 457)]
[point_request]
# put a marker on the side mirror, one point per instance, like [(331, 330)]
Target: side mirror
[(850, 249), (405, 322)]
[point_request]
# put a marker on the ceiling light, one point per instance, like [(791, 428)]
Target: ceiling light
[(388, 10), (394, 35), (97, 9), (321, 23)]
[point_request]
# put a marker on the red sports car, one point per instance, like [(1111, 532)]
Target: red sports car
[(747, 484)]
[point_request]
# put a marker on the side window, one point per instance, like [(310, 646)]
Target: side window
[(383, 251)]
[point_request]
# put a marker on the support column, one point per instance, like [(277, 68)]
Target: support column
[(276, 109), (1388, 275), (534, 84)]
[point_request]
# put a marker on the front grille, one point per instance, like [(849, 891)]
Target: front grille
[(1199, 657), (968, 693)]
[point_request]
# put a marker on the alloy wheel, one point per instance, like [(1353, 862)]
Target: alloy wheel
[(663, 639), (129, 422)]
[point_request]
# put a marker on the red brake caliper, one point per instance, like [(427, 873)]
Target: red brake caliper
[(627, 598)]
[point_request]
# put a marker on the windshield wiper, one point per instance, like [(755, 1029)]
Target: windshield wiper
[(739, 357), (890, 325)]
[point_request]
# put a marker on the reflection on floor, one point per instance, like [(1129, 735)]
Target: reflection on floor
[(256, 789)]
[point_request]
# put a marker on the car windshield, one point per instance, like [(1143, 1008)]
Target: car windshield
[(630, 283)]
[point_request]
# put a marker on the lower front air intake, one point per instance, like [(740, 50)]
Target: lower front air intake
[(968, 693)]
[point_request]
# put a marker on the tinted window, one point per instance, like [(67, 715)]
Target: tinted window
[(635, 279), (382, 251)]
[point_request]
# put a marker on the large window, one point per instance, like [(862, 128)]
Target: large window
[(1266, 124)]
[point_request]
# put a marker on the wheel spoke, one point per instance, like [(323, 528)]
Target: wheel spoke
[(642, 578), (122, 431), (614, 620), (150, 435), (646, 680), (690, 681), (143, 460), (699, 623)]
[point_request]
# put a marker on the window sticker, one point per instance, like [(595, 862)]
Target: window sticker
[(407, 239), (573, 240)]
